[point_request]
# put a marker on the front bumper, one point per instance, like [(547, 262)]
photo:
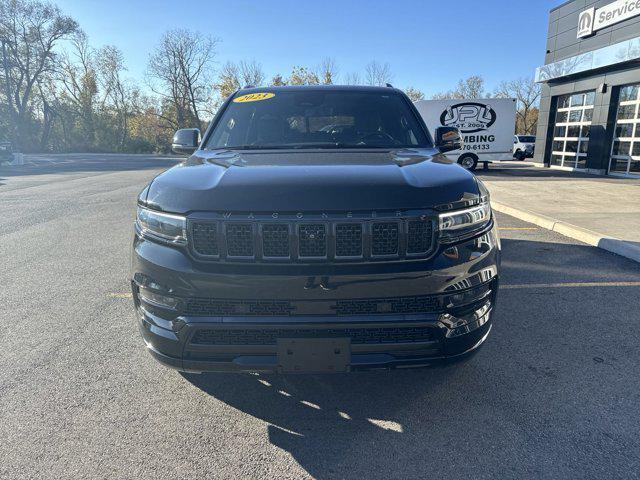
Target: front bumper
[(395, 315)]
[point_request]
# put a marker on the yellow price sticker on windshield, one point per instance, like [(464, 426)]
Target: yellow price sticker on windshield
[(254, 97)]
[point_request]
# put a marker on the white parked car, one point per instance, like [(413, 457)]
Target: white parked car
[(523, 146)]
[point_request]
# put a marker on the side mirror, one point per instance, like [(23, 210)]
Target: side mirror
[(448, 139), (186, 141)]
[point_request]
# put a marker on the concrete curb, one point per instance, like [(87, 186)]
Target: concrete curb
[(610, 244)]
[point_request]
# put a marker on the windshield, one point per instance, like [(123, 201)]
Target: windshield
[(318, 119), (527, 139)]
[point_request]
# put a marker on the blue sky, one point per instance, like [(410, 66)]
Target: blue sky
[(429, 44)]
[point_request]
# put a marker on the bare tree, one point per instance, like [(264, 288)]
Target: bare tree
[(234, 76), (180, 71), (414, 94), (327, 71), (30, 30), (470, 87), (117, 95), (77, 78), (378, 73), (352, 78), (527, 93), (251, 74)]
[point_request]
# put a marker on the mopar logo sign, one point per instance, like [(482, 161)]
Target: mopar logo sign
[(585, 23), (469, 117)]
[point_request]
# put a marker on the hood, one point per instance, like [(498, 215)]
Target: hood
[(311, 181)]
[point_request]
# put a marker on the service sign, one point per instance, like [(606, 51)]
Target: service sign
[(592, 19)]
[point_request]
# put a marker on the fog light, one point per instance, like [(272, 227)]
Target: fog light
[(463, 324), (158, 300), (467, 297)]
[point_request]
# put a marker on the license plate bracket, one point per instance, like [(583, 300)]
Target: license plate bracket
[(314, 355)]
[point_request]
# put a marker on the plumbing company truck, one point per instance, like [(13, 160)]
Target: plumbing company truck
[(486, 125)]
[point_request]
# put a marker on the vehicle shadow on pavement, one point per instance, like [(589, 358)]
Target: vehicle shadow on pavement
[(357, 425)]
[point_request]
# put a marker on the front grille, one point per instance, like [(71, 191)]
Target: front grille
[(269, 336), (312, 240), (292, 240), (275, 240), (349, 240), (211, 307), (397, 305), (205, 238), (384, 239), (419, 236), (239, 240)]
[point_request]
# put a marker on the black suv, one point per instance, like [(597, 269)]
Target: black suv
[(315, 229)]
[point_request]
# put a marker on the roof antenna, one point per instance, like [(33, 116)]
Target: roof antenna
[(249, 86), (389, 85)]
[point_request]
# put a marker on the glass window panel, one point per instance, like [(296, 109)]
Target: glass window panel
[(590, 98), (571, 147), (573, 131), (621, 148), (637, 134), (563, 101), (560, 132), (556, 160), (624, 130), (582, 162), (558, 146), (635, 151), (588, 115), (585, 131), (626, 112), (577, 100), (635, 166), (618, 165), (584, 147), (569, 161), (561, 117), (575, 116), (630, 92)]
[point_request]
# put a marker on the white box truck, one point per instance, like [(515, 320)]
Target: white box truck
[(487, 127)]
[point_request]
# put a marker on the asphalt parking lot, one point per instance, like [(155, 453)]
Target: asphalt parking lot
[(553, 394)]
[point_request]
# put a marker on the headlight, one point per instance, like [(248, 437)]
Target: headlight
[(463, 223), (162, 226)]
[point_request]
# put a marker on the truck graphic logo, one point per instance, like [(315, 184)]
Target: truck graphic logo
[(469, 117)]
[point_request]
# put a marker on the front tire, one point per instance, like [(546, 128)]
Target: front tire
[(468, 162), (519, 155)]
